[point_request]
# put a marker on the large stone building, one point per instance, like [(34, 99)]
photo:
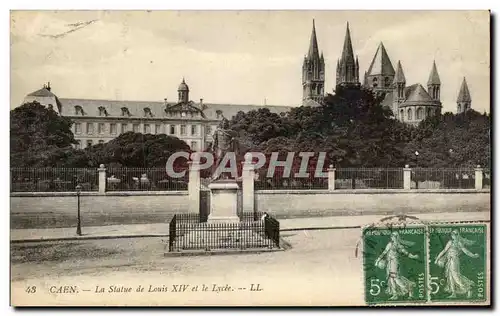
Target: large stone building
[(409, 103), (99, 121)]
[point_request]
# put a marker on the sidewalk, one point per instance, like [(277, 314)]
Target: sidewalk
[(161, 230)]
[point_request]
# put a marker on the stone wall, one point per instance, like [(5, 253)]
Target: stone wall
[(59, 209)]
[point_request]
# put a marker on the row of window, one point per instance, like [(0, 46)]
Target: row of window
[(419, 114), (136, 128), (387, 82)]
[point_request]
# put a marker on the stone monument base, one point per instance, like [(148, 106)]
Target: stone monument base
[(223, 202)]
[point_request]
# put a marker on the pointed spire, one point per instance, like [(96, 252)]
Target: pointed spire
[(347, 52), (434, 76), (400, 76), (381, 63), (313, 45), (322, 58), (357, 62), (464, 94)]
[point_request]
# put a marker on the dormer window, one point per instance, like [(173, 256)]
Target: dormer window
[(125, 111), (147, 112), (78, 110), (102, 111), (219, 114)]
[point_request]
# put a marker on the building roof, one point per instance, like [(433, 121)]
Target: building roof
[(400, 76), (434, 76), (183, 86), (44, 92), (311, 103), (136, 108), (418, 94), (464, 94), (381, 63)]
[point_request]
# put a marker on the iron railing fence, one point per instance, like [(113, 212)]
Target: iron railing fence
[(369, 178), (294, 181), (443, 178), (144, 179), (486, 178), (187, 233), (53, 179)]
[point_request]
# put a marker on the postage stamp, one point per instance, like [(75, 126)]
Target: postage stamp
[(394, 261), (457, 262)]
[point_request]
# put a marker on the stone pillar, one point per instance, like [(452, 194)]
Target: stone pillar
[(331, 178), (479, 177), (223, 202), (407, 177), (248, 176), (102, 179), (194, 185)]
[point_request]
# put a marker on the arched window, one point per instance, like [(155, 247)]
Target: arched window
[(420, 114), (402, 116), (429, 112), (387, 81), (459, 108), (409, 115), (375, 82)]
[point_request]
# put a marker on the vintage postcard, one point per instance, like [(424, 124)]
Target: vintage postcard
[(250, 158)]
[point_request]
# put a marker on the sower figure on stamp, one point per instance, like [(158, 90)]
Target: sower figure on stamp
[(449, 258), (397, 284), (224, 143)]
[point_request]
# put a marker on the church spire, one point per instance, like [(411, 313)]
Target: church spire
[(463, 100), (313, 44), (348, 73), (464, 94), (400, 76), (434, 76), (313, 71), (434, 83)]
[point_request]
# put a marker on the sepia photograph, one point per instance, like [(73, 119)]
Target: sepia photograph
[(250, 158)]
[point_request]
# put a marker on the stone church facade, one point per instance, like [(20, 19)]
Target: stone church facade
[(409, 103)]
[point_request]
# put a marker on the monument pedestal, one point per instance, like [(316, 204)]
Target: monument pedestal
[(223, 202)]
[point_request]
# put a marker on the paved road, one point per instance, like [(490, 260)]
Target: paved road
[(320, 268), (320, 263)]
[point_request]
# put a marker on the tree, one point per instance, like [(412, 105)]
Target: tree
[(39, 137), (136, 150)]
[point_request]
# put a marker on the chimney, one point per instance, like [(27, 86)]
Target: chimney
[(202, 105), (165, 101), (48, 85)]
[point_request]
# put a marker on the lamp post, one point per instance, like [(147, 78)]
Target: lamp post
[(78, 222), (416, 167)]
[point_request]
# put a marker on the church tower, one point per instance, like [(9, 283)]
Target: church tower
[(434, 84), (463, 100), (348, 67), (398, 85), (313, 72), (380, 75), (183, 92)]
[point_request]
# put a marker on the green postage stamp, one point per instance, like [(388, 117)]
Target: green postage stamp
[(394, 264), (441, 263), (457, 263)]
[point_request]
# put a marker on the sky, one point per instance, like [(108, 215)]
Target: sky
[(241, 57)]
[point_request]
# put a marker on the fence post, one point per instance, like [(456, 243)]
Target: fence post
[(102, 179), (248, 178), (479, 177), (194, 184), (331, 178), (407, 177)]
